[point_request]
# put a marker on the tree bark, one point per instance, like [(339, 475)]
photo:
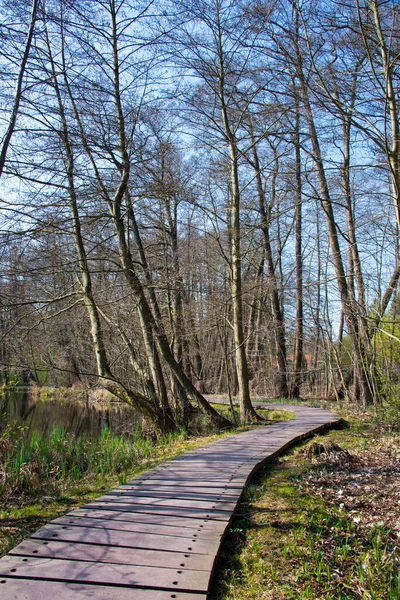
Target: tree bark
[(298, 357), (278, 319), (247, 412)]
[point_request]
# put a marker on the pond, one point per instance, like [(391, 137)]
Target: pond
[(21, 408)]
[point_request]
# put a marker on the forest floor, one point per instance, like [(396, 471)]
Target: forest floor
[(321, 522)]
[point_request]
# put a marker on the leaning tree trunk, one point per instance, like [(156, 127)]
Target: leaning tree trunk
[(149, 320), (18, 88), (147, 406)]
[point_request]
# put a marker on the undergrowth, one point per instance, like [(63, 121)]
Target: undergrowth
[(38, 464)]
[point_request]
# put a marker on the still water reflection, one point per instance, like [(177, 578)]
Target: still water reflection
[(77, 417)]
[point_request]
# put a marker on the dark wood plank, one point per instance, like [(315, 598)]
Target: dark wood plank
[(174, 492), (182, 483), (151, 501), (185, 532), (113, 554), (126, 539), (187, 475), (132, 517), (196, 513), (204, 474), (28, 589), (184, 479), (105, 573)]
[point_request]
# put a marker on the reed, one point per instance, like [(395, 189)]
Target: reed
[(46, 464)]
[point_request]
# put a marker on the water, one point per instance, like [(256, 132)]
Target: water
[(21, 408)]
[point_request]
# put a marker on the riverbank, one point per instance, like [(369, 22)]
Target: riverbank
[(42, 477), (322, 522)]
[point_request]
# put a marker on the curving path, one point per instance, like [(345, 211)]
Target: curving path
[(158, 536)]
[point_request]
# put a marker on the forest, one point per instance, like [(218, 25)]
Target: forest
[(201, 197)]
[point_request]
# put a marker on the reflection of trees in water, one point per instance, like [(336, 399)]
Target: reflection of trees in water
[(80, 422), (75, 417), (3, 407), (25, 408), (17, 408)]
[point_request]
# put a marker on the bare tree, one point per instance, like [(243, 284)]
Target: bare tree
[(5, 142)]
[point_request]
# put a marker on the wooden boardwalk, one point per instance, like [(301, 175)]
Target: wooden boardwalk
[(158, 536)]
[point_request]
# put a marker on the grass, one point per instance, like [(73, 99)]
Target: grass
[(44, 477), (321, 522)]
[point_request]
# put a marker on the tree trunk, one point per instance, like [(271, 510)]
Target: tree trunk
[(177, 306), (298, 345), (255, 310), (367, 385), (247, 412), (278, 319)]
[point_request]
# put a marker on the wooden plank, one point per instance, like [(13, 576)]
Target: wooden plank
[(28, 589), (135, 527), (183, 479), (182, 483), (169, 501), (126, 539), (113, 554), (132, 517), (174, 492), (205, 474), (196, 513), (211, 463), (210, 471), (187, 475), (105, 573), (182, 476)]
